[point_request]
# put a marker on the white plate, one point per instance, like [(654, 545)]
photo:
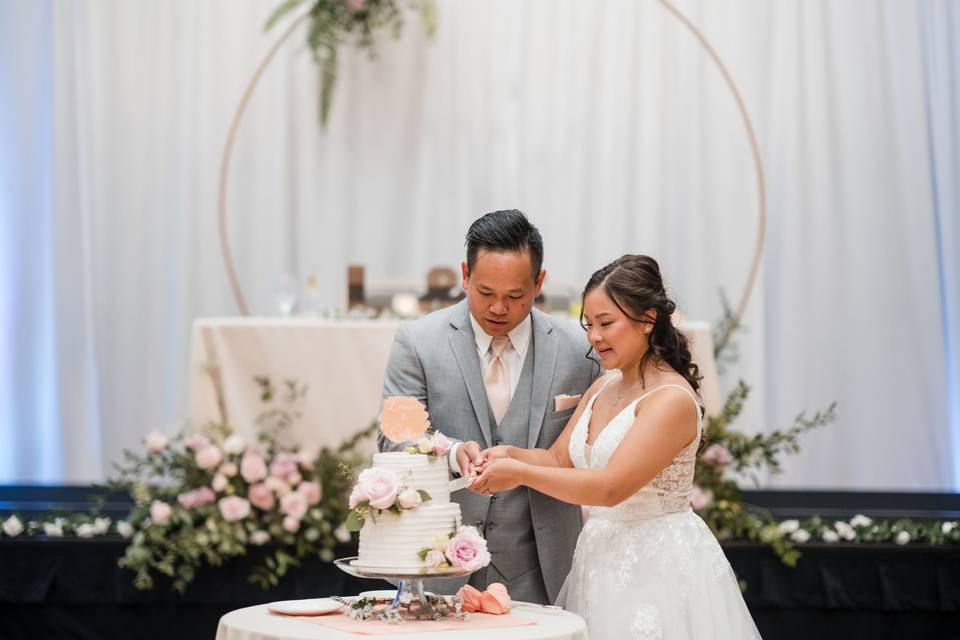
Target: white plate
[(382, 594), (309, 607)]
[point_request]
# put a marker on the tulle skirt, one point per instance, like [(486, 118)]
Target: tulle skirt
[(662, 578)]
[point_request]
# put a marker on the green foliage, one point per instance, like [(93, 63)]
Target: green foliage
[(334, 23)]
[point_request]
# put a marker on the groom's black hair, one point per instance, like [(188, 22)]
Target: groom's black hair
[(507, 230)]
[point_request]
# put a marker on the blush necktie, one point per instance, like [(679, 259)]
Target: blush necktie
[(497, 380)]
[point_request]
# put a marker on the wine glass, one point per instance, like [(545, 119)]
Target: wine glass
[(286, 295)]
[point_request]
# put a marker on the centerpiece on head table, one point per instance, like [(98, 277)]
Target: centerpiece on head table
[(409, 528)]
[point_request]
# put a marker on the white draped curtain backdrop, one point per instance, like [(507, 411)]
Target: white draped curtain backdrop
[(603, 121)]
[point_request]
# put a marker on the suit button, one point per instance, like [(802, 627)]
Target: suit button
[(493, 498)]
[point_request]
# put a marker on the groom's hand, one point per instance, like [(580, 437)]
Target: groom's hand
[(468, 457)]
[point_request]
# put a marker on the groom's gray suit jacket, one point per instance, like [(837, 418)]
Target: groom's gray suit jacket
[(435, 360)]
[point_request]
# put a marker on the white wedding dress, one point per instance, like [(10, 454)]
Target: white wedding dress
[(650, 567)]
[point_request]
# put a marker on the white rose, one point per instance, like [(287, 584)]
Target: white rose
[(86, 530), (342, 534), (947, 527), (101, 525), (259, 537), (53, 529), (234, 445), (424, 445), (12, 526), (800, 536), (845, 530), (903, 538), (156, 442), (860, 521), (125, 529), (789, 526), (830, 535), (409, 498)]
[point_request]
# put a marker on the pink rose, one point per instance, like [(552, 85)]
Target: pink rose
[(700, 498), (261, 496), (294, 479), (259, 537), (716, 455), (311, 491), (234, 508), (196, 441), (357, 496), (291, 524), (355, 5), (219, 482), (294, 504), (252, 467), (434, 558), (468, 549), (380, 486), (156, 442), (160, 512), (277, 485), (197, 498), (228, 469), (305, 460), (284, 465), (208, 457), (441, 444)]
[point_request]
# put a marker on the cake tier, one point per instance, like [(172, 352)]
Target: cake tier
[(429, 473), (393, 541)]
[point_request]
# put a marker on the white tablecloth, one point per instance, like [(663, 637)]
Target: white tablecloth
[(341, 361), (256, 623)]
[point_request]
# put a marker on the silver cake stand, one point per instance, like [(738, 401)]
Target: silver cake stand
[(411, 601)]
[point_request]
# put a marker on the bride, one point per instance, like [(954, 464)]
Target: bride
[(646, 566)]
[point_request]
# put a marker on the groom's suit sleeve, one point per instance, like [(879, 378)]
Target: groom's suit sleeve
[(404, 376)]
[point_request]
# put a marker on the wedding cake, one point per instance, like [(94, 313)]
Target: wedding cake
[(410, 496)]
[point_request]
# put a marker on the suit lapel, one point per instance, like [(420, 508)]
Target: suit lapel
[(464, 347), (545, 360)]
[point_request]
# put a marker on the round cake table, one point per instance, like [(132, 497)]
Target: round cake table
[(256, 623)]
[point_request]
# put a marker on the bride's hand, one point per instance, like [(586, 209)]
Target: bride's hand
[(493, 453), (499, 474)]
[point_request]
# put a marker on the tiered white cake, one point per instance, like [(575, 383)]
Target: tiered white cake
[(393, 541)]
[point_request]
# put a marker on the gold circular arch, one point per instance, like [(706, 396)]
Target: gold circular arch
[(737, 315)]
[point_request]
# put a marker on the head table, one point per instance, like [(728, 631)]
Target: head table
[(257, 623), (340, 361)]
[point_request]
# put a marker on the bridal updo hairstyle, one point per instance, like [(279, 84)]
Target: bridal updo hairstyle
[(635, 285)]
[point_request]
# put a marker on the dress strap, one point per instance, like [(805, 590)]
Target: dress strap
[(599, 391), (682, 388)]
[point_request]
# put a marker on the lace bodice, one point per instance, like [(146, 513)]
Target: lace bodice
[(668, 493)]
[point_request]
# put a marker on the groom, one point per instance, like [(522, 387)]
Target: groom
[(489, 370)]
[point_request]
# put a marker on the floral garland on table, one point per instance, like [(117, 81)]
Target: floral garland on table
[(719, 501), (202, 499)]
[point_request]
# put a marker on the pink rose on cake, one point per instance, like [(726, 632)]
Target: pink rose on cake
[(380, 486), (468, 549), (441, 444)]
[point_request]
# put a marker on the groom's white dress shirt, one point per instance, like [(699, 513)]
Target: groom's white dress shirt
[(513, 356)]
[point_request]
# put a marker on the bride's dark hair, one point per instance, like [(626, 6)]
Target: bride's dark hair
[(635, 285)]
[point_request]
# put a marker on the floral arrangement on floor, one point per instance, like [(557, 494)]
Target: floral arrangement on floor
[(333, 22), (204, 498), (718, 499)]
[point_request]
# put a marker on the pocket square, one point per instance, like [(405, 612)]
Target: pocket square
[(563, 401)]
